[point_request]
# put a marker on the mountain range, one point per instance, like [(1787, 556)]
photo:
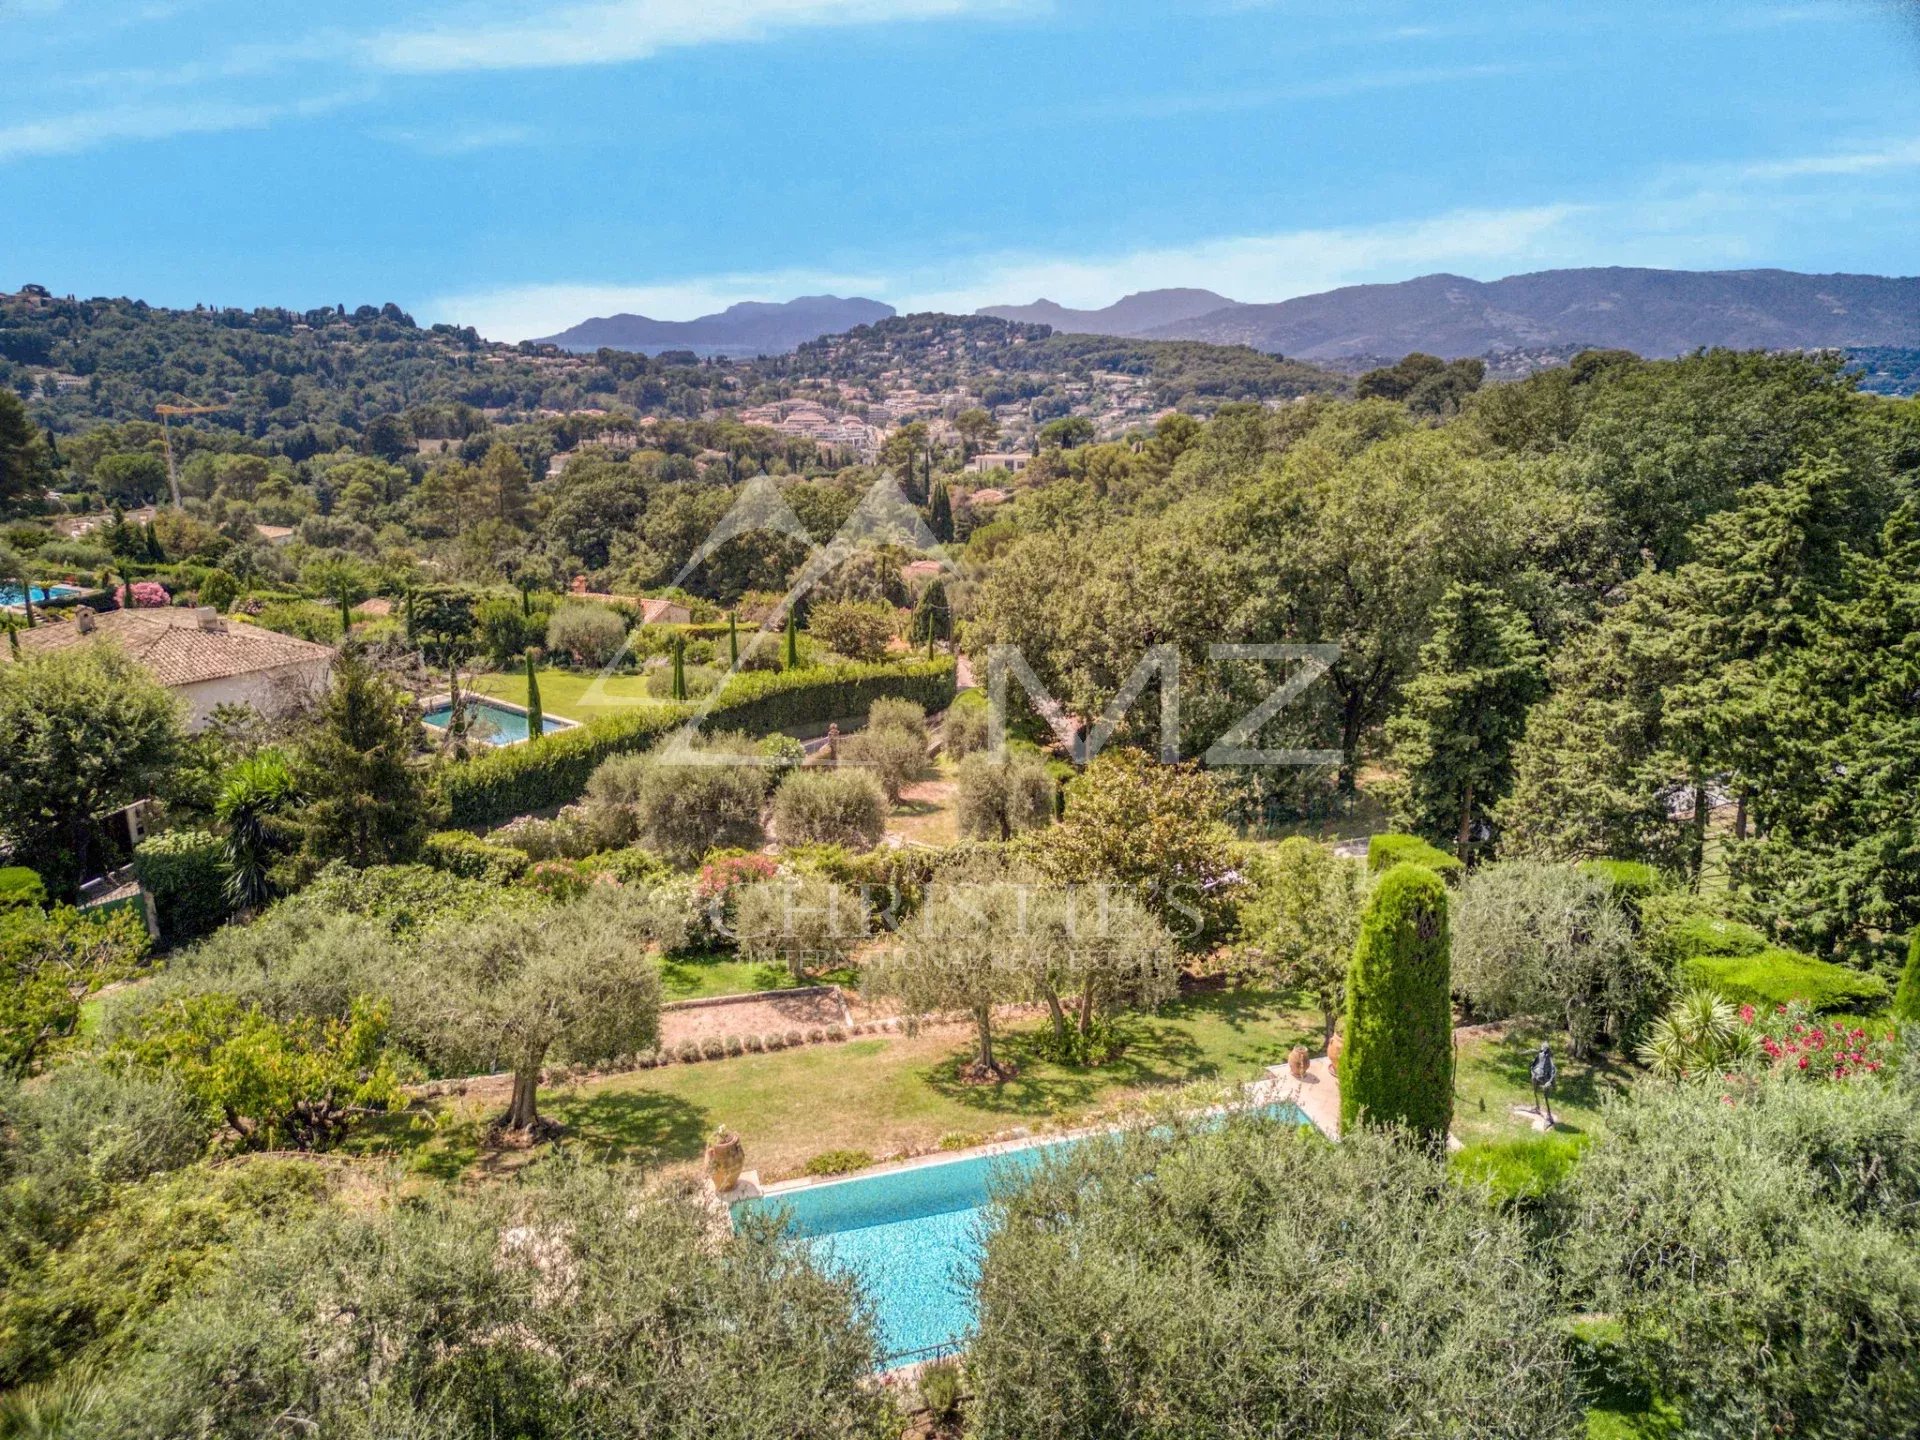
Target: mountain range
[(1651, 312), (740, 331)]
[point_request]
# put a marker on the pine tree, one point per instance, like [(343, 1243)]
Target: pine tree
[(1464, 713), (368, 803), (1397, 1068), (536, 716)]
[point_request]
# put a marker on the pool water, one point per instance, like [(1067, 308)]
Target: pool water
[(10, 594), (492, 724), (913, 1237)]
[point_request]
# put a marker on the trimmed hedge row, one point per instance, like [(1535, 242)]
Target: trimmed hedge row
[(185, 871), (460, 853), (1774, 977), (1386, 851), (520, 779)]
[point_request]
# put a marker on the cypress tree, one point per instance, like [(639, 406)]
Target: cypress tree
[(536, 716), (793, 644), (126, 593), (679, 667), (940, 514), (733, 640), (1906, 999), (1397, 1068)]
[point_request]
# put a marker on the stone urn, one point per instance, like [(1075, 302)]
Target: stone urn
[(1297, 1062), (725, 1160), (1334, 1047)]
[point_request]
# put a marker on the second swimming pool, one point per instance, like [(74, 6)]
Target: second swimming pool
[(912, 1237)]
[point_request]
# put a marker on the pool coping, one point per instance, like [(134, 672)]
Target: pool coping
[(1277, 1086), (444, 697)]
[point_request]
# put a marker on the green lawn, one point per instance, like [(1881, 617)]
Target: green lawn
[(701, 977), (1492, 1079), (564, 692), (879, 1094)]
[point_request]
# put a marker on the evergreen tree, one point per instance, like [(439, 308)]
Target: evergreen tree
[(21, 461), (793, 643), (679, 667), (1397, 1068), (1464, 713), (940, 513), (932, 618), (536, 716), (733, 640), (368, 803)]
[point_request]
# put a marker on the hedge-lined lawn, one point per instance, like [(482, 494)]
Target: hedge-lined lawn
[(879, 1094), (564, 692), (702, 977)]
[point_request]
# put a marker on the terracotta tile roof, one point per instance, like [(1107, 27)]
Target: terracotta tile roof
[(170, 643)]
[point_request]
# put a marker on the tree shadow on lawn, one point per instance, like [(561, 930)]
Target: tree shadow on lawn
[(630, 1124)]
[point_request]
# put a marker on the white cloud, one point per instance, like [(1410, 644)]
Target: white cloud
[(521, 312), (459, 139), (604, 32), (1896, 155), (85, 129)]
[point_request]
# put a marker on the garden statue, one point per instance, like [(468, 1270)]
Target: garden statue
[(1543, 1076), (833, 744), (1297, 1062)]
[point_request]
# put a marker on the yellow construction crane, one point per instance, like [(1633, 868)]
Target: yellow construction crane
[(164, 411)]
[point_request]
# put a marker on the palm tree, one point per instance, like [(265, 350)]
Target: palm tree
[(252, 799)]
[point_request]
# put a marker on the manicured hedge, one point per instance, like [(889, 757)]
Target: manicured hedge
[(1386, 851), (185, 871), (1397, 1068), (460, 853), (21, 888), (1906, 1000), (521, 779), (1631, 882), (1773, 977)]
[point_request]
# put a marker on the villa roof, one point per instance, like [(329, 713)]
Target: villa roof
[(178, 646)]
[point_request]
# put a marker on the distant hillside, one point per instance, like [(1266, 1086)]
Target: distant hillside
[(1135, 315), (1651, 312), (740, 331)]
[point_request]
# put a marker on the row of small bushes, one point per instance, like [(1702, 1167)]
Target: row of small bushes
[(522, 779)]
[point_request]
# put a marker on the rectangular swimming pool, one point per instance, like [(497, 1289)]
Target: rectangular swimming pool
[(492, 722), (912, 1236), (10, 594)]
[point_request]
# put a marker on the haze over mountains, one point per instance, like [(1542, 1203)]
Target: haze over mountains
[(1138, 314), (740, 331)]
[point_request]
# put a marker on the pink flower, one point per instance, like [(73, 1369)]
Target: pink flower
[(1746, 1014), (1803, 1062)]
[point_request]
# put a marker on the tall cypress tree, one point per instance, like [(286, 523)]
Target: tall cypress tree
[(733, 640), (536, 716), (1397, 1068), (793, 643), (679, 667), (940, 514)]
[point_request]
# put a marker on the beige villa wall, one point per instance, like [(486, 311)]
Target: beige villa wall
[(268, 691)]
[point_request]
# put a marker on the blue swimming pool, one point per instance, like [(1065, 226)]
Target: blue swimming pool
[(913, 1237), (10, 594), (492, 723)]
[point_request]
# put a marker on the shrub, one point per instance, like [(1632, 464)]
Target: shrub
[(568, 836), (21, 888), (557, 880), (893, 714), (1397, 1068), (965, 728), (219, 589), (185, 871), (1386, 851), (838, 1162), (1906, 999), (303, 619), (713, 1048), (999, 796), (1526, 1168), (896, 758), (682, 811), (805, 922), (1630, 882), (519, 779), (782, 755), (591, 635), (689, 1051), (830, 807), (1679, 928), (1159, 1275), (459, 853), (630, 866), (734, 1047), (857, 629), (940, 1390), (1760, 1257), (1776, 977)]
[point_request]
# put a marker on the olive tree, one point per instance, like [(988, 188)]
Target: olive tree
[(683, 802), (1532, 938), (1154, 1285), (577, 982), (999, 795), (1303, 919), (805, 922), (830, 807)]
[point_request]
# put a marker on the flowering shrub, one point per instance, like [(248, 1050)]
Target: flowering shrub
[(716, 884), (147, 595), (1797, 1042), (558, 880), (1703, 1036)]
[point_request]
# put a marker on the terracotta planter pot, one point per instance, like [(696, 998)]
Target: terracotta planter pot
[(725, 1160), (1297, 1062), (1334, 1047)]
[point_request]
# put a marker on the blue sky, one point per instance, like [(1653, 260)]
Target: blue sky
[(520, 165)]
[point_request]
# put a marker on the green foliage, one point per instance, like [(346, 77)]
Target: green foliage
[(1302, 920), (965, 728), (219, 589), (84, 731), (999, 796), (830, 807), (1397, 1068), (591, 634), (1629, 881), (857, 629), (1700, 1037), (1775, 977), (683, 809), (489, 1313), (1153, 1284), (1906, 999), (896, 757), (367, 801), (51, 961), (805, 922), (21, 888), (893, 713), (940, 1390), (187, 874), (293, 1083), (1760, 1257), (1384, 851), (1678, 928), (406, 901), (1526, 1169), (253, 805), (838, 1162), (465, 854), (520, 779)]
